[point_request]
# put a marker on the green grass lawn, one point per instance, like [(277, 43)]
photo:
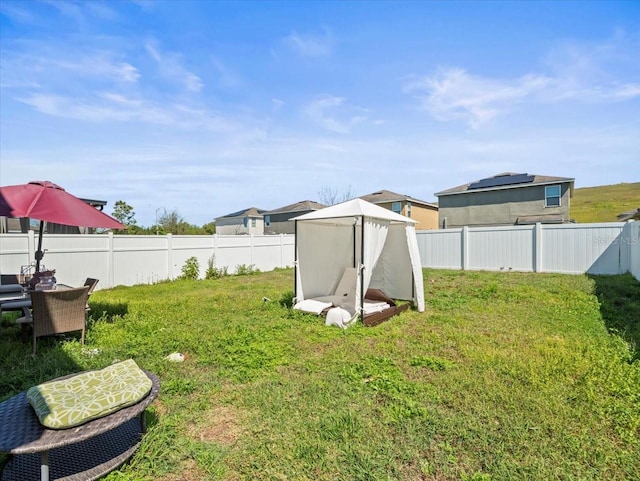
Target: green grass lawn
[(505, 376), (604, 203)]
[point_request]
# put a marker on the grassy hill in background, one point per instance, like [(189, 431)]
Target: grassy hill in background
[(604, 203)]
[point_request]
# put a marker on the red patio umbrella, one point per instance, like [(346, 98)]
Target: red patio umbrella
[(48, 202)]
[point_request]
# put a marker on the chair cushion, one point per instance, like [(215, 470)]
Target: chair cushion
[(312, 306), (89, 395)]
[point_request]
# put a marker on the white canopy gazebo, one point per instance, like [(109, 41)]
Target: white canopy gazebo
[(376, 244)]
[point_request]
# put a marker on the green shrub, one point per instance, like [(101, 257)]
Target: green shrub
[(214, 272), (246, 270), (286, 300), (190, 269)]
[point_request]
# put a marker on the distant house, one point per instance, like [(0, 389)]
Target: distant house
[(278, 221), (507, 199), (247, 221), (629, 215), (425, 213), (24, 225)]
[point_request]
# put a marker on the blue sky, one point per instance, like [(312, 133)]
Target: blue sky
[(208, 107)]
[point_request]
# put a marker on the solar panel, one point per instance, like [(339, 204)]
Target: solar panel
[(502, 180)]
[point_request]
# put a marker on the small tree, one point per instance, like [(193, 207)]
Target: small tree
[(171, 222), (126, 215), (329, 196), (210, 228)]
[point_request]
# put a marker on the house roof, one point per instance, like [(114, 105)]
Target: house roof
[(98, 204), (629, 215), (250, 212), (302, 206), (384, 196), (543, 219), (506, 180)]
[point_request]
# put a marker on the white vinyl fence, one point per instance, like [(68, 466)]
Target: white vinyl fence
[(129, 260), (611, 248)]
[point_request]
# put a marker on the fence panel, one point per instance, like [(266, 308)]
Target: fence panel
[(441, 249), (270, 251), (232, 251), (574, 249), (139, 260), (501, 248), (14, 252), (82, 257)]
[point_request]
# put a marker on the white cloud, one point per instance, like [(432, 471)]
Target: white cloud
[(310, 45), (107, 107), (602, 72), (60, 69), (453, 94), (90, 110), (19, 14), (100, 64), (626, 91), (333, 114), (170, 66), (80, 12), (227, 78), (276, 105)]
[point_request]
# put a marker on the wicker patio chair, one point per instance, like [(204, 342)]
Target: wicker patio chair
[(92, 283), (58, 311)]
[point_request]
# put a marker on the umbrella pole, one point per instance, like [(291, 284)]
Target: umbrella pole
[(39, 253)]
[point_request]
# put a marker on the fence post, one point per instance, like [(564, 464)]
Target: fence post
[(281, 250), (537, 247), (111, 265), (31, 240), (250, 249), (170, 256), (465, 248), (625, 240), (634, 249), (215, 249)]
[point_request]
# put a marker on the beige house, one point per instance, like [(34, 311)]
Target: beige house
[(247, 221), (507, 199), (425, 213), (278, 221)]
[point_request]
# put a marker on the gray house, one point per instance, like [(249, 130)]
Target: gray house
[(278, 221), (246, 221), (506, 199)]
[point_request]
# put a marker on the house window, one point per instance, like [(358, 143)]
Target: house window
[(267, 220), (245, 221), (396, 207), (408, 209), (552, 196), (253, 222)]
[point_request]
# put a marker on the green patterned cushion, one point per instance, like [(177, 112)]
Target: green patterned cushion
[(89, 395)]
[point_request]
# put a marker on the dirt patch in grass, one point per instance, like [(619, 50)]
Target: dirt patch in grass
[(190, 472), (219, 425)]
